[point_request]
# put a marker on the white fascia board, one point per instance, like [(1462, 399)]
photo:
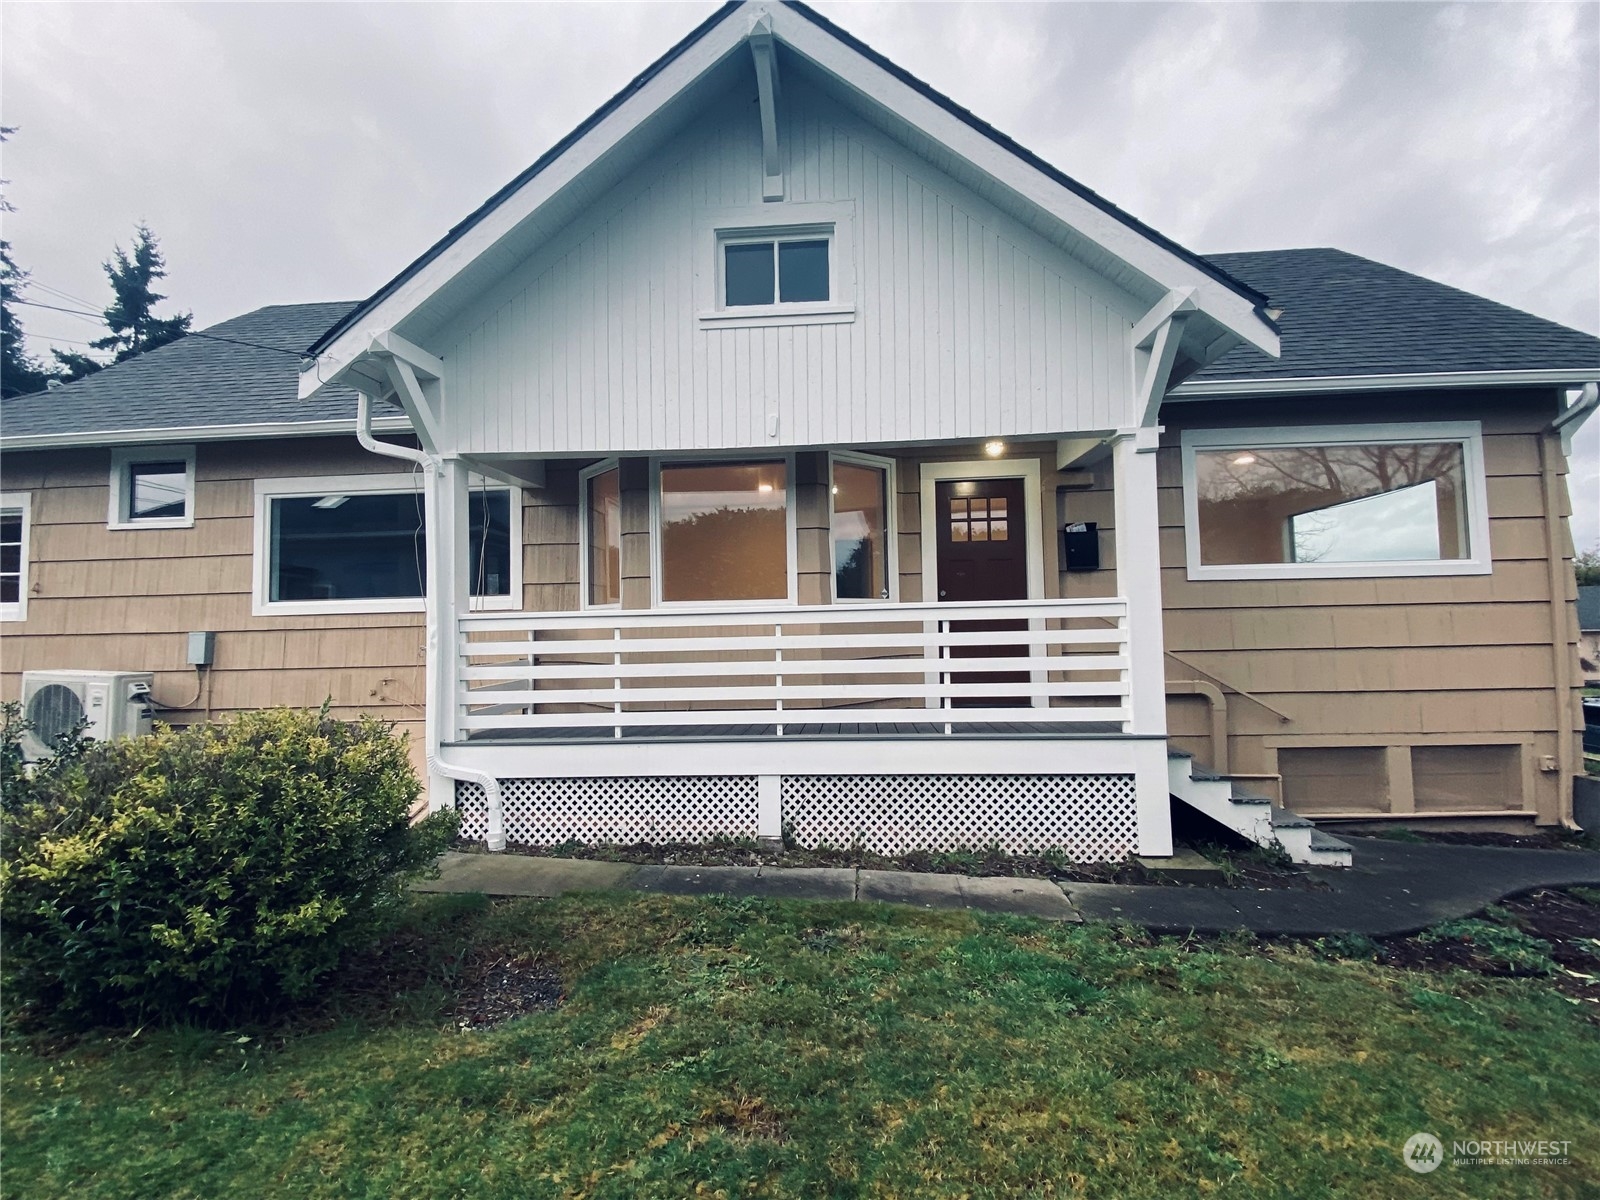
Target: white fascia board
[(199, 433), (1221, 303), (394, 308), (1207, 389)]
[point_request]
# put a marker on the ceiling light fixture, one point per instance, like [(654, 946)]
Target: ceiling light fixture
[(1244, 460), (994, 449)]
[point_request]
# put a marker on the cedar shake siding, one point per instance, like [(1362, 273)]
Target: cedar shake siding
[(1388, 695)]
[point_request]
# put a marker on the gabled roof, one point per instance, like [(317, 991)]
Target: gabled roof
[(227, 381), (513, 222), (456, 232), (1346, 316)]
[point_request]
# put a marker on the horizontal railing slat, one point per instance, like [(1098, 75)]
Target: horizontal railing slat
[(714, 671), (808, 716), (809, 614), (769, 642)]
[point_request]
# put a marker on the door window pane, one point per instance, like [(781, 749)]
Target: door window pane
[(157, 490), (748, 273), (1332, 504), (860, 532), (724, 531), (372, 545), (604, 507), (803, 271)]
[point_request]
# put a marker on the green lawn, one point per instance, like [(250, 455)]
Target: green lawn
[(730, 1048)]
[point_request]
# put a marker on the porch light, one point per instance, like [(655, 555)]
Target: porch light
[(994, 449), (763, 487)]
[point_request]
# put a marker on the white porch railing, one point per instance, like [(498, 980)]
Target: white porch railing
[(1056, 662)]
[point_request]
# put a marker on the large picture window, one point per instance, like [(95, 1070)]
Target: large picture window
[(602, 535), (1348, 501), (860, 492), (724, 531), (358, 544)]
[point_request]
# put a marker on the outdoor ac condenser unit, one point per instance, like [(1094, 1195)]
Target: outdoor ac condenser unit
[(114, 703)]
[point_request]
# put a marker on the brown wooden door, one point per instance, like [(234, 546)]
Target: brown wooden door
[(981, 541)]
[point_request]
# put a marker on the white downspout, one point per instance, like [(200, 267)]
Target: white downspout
[(495, 830)]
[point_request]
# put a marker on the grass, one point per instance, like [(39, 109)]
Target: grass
[(713, 1047)]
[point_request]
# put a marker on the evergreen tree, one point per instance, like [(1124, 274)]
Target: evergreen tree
[(134, 326), (20, 373)]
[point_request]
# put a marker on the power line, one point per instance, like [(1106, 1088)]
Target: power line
[(298, 354)]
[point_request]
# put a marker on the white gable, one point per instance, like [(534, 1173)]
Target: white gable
[(965, 323), (982, 294)]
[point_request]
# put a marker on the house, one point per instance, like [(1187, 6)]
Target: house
[(787, 452), (1589, 632)]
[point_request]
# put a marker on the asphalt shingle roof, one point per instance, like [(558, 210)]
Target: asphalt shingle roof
[(195, 381), (1347, 315), (1342, 315)]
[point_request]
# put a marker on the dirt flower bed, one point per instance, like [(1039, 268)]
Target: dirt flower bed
[(1241, 866), (1546, 934)]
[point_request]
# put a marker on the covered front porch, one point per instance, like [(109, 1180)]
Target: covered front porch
[(960, 682)]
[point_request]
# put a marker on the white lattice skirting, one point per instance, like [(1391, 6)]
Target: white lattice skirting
[(674, 808), (1091, 818)]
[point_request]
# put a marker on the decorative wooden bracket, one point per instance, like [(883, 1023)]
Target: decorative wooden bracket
[(1155, 348), (765, 52)]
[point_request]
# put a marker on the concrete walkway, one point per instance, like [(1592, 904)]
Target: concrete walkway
[(1394, 888)]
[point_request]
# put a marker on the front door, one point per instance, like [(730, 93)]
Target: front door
[(981, 538)]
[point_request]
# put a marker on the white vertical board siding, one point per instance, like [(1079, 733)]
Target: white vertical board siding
[(967, 325)]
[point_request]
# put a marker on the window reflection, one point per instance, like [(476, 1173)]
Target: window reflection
[(724, 532), (1332, 504), (860, 532), (603, 498)]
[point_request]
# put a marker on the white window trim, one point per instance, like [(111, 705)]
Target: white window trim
[(1468, 433), (1026, 469), (783, 221), (584, 476), (791, 528), (23, 501), (891, 521), (267, 490), (124, 457)]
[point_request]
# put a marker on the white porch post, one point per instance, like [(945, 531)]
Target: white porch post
[(1139, 581), (448, 574)]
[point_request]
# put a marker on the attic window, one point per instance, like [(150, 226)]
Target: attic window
[(775, 270), (775, 265), (152, 488)]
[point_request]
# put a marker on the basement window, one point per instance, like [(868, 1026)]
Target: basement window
[(1335, 501)]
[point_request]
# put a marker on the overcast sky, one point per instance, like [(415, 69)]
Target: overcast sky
[(289, 153)]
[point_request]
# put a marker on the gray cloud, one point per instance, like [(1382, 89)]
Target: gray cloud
[(303, 152)]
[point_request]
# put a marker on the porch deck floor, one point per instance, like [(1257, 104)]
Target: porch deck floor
[(850, 730)]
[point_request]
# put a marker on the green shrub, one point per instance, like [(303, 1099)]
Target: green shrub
[(203, 874)]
